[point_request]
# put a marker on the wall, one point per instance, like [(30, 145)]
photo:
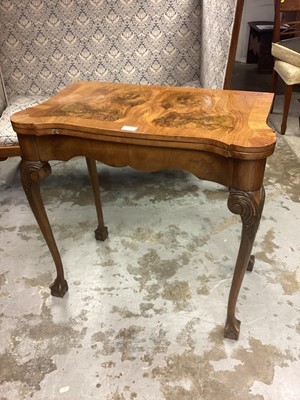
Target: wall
[(254, 10)]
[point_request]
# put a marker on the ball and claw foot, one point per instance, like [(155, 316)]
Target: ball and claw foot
[(232, 329), (101, 233), (251, 263), (58, 288)]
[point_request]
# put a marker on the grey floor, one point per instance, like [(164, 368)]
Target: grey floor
[(145, 311), (245, 77)]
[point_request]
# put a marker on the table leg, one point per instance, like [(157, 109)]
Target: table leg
[(101, 232), (32, 173), (249, 206)]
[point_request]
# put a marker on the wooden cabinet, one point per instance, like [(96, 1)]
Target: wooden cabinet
[(259, 46)]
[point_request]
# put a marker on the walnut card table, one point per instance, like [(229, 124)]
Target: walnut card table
[(217, 135)]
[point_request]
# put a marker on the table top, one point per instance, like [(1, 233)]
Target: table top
[(262, 26), (228, 122)]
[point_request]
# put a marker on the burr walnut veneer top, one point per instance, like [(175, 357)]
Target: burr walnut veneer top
[(229, 123)]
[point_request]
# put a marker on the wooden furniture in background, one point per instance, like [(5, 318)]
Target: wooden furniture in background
[(259, 46), (217, 135), (286, 52), (233, 44)]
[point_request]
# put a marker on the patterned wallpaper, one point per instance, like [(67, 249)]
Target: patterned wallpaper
[(47, 44), (217, 19)]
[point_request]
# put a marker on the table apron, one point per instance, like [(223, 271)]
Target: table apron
[(241, 174)]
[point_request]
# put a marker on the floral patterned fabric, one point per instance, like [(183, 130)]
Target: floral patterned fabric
[(47, 44), (3, 101), (217, 20), (8, 136)]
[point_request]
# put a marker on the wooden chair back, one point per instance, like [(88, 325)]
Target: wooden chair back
[(287, 14)]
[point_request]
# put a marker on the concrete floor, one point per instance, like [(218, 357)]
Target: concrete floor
[(144, 315)]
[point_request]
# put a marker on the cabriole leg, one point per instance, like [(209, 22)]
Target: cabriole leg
[(249, 206), (101, 232), (32, 173)]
